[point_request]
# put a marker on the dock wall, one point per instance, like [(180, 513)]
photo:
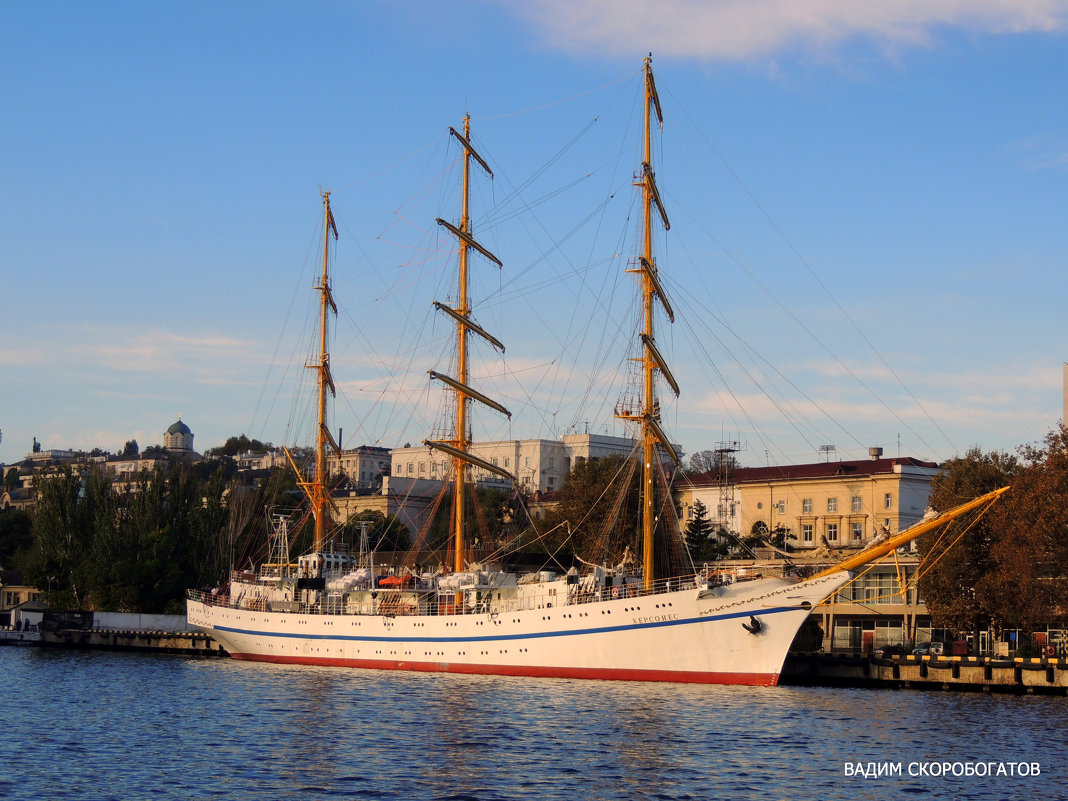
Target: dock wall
[(187, 643), (968, 673)]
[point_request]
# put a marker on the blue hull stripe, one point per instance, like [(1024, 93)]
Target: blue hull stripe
[(500, 637)]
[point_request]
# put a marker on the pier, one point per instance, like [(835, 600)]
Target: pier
[(962, 673), (185, 643), (116, 631)]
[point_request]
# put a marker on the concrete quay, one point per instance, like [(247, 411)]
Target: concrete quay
[(185, 643), (960, 673)]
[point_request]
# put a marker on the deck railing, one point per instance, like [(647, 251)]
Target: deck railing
[(421, 599)]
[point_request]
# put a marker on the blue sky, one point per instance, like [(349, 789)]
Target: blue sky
[(867, 206)]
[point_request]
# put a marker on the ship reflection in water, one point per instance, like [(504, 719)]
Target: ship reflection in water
[(105, 724)]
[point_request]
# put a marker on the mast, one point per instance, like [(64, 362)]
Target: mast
[(315, 489), (649, 413), (458, 446), (325, 380), (908, 535)]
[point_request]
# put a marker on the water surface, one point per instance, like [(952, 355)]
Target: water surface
[(108, 725)]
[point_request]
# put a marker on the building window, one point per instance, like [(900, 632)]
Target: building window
[(886, 523), (526, 461), (411, 467), (506, 460), (782, 507), (832, 504), (832, 532), (858, 532), (422, 468), (806, 506), (888, 501), (858, 504), (806, 533)]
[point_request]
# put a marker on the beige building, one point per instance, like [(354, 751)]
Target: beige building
[(827, 504), (364, 465), (13, 592)]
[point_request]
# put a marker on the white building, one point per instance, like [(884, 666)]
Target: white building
[(539, 465)]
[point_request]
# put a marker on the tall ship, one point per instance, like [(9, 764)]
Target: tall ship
[(634, 620)]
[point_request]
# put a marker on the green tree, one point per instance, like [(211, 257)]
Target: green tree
[(129, 449), (385, 532), (11, 478), (597, 510), (68, 511), (700, 535), (16, 539), (235, 446), (135, 551)]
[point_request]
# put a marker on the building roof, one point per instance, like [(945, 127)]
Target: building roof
[(179, 428), (859, 468)]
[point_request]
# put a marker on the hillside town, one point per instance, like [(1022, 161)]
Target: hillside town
[(743, 516)]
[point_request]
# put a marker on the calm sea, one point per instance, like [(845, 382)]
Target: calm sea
[(102, 725)]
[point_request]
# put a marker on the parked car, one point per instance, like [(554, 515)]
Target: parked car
[(887, 651), (928, 649)]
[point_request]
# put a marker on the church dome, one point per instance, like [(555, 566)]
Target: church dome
[(179, 428), (179, 438)]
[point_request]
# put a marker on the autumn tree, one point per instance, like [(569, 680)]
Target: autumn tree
[(951, 583), (1027, 585)]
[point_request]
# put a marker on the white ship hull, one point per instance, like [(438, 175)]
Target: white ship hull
[(684, 636)]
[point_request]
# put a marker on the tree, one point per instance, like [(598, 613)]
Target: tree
[(712, 461), (11, 478), (235, 446), (597, 510), (700, 536), (16, 539), (132, 551), (1027, 583), (385, 532), (780, 536), (129, 449), (68, 511), (950, 586)]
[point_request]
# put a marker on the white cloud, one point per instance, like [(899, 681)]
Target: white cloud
[(749, 29), (162, 352)]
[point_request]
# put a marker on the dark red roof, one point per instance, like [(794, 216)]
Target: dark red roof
[(795, 472)]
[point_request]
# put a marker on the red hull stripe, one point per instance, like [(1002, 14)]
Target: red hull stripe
[(540, 671)]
